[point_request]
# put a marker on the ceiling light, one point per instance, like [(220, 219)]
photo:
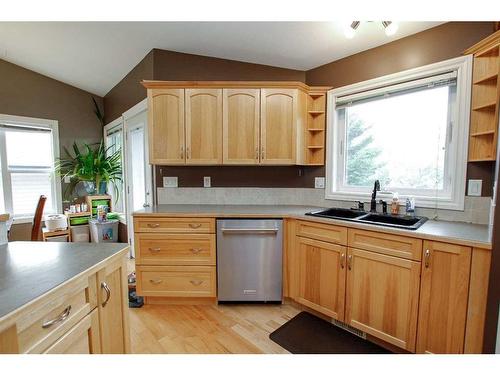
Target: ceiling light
[(351, 30), (390, 27)]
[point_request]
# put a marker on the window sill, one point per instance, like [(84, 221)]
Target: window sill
[(22, 220), (420, 202)]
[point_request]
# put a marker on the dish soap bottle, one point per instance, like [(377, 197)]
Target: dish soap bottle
[(395, 204), (410, 206)]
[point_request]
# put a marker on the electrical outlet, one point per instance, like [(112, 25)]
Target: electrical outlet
[(170, 182), (319, 182), (207, 182), (474, 188)]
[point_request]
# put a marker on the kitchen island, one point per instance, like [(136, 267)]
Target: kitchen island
[(63, 297)]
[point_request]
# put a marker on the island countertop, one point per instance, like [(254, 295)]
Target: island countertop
[(447, 231), (28, 270)]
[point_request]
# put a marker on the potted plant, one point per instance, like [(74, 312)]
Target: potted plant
[(95, 166)]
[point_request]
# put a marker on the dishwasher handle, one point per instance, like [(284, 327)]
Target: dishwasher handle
[(249, 230)]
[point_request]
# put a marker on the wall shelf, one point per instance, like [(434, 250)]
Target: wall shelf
[(483, 133)]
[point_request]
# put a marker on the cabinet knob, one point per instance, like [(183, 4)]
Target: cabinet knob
[(427, 258), (342, 260), (153, 225), (196, 282), (196, 250), (156, 281), (154, 249), (256, 153), (195, 226), (349, 262)]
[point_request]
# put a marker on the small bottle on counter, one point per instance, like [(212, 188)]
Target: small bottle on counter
[(395, 204), (410, 206)]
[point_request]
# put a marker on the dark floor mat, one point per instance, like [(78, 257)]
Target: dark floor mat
[(308, 334)]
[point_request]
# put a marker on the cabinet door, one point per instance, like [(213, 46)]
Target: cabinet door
[(166, 126), (113, 308), (81, 339), (382, 296), (278, 126), (204, 126), (321, 276), (443, 298), (241, 126)]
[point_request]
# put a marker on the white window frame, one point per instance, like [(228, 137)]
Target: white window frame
[(30, 122), (456, 156), (118, 124)]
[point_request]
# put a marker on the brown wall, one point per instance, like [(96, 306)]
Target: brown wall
[(128, 92), (176, 66), (26, 93)]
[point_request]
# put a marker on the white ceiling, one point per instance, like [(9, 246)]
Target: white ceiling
[(95, 56)]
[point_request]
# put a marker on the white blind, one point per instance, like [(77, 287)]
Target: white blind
[(445, 79)]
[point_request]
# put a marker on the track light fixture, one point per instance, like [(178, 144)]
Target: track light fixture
[(389, 27)]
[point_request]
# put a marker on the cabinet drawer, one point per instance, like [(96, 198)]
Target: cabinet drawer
[(390, 244), (322, 232), (176, 281), (175, 249), (174, 225), (41, 326)]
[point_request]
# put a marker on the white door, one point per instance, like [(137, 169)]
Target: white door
[(138, 178)]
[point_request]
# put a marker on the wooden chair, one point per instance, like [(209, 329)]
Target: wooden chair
[(36, 231)]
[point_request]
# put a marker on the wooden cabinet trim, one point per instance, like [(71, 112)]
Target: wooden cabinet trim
[(323, 232)]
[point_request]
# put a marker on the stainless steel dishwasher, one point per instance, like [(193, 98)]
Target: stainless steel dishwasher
[(249, 260)]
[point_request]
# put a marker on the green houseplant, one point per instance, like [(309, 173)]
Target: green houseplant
[(94, 165)]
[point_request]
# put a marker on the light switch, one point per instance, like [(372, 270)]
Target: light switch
[(170, 182), (319, 182), (207, 181), (474, 188)]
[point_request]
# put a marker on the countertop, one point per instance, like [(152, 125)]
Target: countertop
[(448, 231), (28, 270)]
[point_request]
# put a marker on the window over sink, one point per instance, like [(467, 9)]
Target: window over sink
[(28, 149), (408, 130)]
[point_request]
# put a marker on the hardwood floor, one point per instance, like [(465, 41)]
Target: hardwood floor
[(204, 329)]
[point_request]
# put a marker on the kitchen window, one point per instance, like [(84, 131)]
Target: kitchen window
[(408, 130), (28, 149)]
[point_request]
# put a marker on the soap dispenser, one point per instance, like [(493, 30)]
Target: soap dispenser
[(395, 204)]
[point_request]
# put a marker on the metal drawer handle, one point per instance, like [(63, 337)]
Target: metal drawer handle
[(108, 293), (427, 258), (182, 152), (155, 281), (342, 260), (153, 225), (194, 226), (154, 249), (196, 282), (349, 262), (249, 230), (62, 316), (195, 250)]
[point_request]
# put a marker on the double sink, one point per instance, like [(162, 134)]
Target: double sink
[(387, 220)]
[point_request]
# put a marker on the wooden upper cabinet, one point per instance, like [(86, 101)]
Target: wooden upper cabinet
[(241, 126), (203, 126), (278, 126), (166, 126), (382, 296), (443, 298), (321, 274)]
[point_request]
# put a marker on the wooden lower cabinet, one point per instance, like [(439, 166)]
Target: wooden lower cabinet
[(113, 308), (443, 298), (321, 276), (382, 296)]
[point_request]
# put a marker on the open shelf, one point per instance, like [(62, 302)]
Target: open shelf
[(487, 78), (315, 147), (483, 133), (489, 52), (316, 113), (485, 107), (315, 129), (316, 94)]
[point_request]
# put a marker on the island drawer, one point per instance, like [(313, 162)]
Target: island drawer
[(174, 225), (384, 243), (176, 281), (175, 249), (50, 318), (322, 232)]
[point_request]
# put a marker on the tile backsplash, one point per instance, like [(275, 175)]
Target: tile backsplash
[(477, 209)]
